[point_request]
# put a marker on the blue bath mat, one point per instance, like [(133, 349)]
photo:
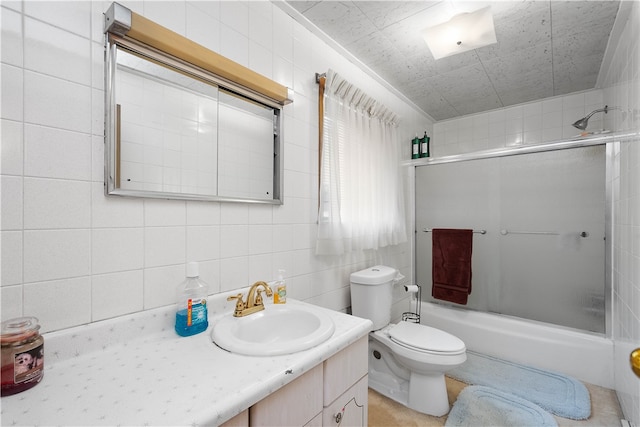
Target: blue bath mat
[(557, 393), (484, 406)]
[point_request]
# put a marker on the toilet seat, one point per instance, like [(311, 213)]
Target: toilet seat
[(425, 339)]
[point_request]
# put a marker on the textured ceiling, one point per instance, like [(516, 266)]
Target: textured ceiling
[(545, 48)]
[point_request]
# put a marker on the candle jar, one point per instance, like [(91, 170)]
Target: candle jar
[(22, 355)]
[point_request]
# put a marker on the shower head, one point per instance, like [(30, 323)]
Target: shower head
[(582, 123)]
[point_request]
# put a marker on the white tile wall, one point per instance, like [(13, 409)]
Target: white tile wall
[(116, 294), (531, 123), (11, 149), (11, 31), (56, 103), (41, 56), (74, 18), (12, 194), (622, 89), (58, 204), (12, 255), (41, 148), (59, 303), (55, 254), (12, 87), (117, 249), (70, 255)]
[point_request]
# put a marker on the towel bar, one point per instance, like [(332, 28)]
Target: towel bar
[(428, 230), (549, 233)]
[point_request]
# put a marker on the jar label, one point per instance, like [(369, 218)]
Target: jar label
[(28, 366)]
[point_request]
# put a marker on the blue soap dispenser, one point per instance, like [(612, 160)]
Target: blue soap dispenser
[(191, 308)]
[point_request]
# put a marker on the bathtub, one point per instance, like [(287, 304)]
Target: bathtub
[(586, 356)]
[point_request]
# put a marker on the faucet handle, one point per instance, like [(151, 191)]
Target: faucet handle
[(240, 305), (259, 297)]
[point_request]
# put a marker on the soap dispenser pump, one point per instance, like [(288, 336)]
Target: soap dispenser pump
[(191, 311)]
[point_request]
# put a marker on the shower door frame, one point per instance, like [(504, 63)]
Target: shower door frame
[(612, 146)]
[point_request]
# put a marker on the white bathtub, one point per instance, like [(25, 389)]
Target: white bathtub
[(588, 357)]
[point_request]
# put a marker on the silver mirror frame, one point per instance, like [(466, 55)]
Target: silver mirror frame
[(112, 159)]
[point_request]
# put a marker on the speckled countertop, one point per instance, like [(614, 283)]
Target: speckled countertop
[(135, 370)]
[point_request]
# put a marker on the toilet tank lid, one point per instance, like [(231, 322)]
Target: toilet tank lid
[(376, 275)]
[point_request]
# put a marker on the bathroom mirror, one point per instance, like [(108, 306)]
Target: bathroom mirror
[(174, 131)]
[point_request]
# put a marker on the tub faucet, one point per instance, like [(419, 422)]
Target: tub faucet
[(254, 301)]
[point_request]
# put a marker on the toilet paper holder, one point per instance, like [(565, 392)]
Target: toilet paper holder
[(413, 316)]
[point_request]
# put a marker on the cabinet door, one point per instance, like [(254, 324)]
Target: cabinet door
[(295, 404), (350, 409), (344, 369)]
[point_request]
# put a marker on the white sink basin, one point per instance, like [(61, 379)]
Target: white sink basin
[(276, 330)]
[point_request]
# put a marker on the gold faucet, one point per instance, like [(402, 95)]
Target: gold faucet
[(254, 300)]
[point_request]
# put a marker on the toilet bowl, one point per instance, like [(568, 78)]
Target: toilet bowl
[(407, 361), (419, 372)]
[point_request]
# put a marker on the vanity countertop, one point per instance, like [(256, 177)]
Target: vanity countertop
[(135, 370)]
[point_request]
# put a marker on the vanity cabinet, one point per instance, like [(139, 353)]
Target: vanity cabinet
[(333, 393)]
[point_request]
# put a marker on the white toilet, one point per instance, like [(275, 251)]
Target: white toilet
[(407, 361)]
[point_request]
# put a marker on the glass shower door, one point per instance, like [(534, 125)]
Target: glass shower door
[(552, 237), (543, 254)]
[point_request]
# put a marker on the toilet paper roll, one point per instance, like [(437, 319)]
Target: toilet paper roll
[(411, 288)]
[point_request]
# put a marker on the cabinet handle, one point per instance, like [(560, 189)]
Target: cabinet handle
[(338, 417)]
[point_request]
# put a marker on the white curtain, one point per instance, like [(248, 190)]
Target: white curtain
[(361, 198)]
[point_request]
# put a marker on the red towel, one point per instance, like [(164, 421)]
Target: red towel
[(451, 270)]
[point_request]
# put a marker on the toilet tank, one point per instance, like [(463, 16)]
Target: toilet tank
[(371, 294)]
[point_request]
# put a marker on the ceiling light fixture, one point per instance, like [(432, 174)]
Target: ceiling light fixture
[(461, 33)]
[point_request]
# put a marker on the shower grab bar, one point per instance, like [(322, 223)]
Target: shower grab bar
[(429, 230), (504, 232)]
